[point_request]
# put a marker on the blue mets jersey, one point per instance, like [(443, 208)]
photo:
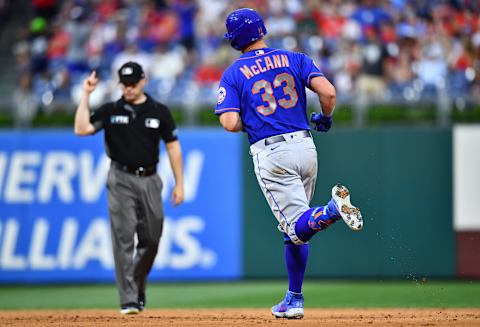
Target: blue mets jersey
[(267, 88)]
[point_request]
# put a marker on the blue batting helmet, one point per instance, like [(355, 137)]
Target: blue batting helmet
[(244, 26)]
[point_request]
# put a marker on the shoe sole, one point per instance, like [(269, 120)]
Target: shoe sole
[(296, 313), (129, 311), (350, 214)]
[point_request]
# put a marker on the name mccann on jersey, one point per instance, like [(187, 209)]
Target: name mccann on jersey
[(264, 64)]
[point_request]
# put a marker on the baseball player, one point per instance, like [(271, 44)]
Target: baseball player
[(263, 93), (133, 128)]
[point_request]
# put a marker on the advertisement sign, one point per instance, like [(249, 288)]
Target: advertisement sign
[(54, 224)]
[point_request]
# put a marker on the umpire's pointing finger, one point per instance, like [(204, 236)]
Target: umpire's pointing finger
[(93, 76)]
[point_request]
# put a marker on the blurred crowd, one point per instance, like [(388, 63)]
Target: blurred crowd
[(372, 50)]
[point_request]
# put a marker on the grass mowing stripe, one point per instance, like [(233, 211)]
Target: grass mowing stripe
[(252, 294), (397, 294)]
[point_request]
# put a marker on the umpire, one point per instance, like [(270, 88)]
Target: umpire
[(133, 127)]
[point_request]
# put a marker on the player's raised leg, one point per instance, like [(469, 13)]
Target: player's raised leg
[(319, 218)]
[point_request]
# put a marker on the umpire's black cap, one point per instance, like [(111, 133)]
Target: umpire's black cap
[(130, 73)]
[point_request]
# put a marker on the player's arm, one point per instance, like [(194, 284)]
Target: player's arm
[(326, 94), (231, 121), (228, 103), (328, 98), (174, 152), (82, 125)]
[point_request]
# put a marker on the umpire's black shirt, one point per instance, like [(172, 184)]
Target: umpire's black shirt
[(133, 132)]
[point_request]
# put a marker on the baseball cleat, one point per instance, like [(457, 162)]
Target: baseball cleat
[(350, 214), (291, 306), (129, 309)]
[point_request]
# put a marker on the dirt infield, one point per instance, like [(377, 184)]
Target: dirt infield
[(243, 317)]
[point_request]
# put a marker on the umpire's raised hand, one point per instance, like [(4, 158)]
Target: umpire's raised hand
[(82, 125), (90, 83)]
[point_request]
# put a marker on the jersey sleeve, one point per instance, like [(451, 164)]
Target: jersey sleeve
[(168, 129), (98, 116), (309, 69), (228, 96)]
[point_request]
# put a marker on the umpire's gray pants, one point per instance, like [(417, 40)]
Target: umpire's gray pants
[(135, 207)]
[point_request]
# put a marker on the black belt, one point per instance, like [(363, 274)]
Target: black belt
[(137, 171), (281, 138)]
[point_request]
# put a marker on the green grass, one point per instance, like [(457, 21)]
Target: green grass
[(251, 294)]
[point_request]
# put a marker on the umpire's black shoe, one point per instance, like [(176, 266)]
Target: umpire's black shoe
[(141, 301), (129, 309)]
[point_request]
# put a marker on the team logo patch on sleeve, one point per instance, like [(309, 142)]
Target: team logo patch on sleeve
[(222, 93), (152, 123)]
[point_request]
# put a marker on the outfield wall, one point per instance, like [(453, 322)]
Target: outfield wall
[(54, 218), (402, 180)]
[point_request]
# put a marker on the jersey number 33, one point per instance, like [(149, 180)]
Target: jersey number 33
[(287, 101)]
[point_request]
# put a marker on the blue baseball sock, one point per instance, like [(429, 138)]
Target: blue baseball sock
[(296, 259), (316, 219)]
